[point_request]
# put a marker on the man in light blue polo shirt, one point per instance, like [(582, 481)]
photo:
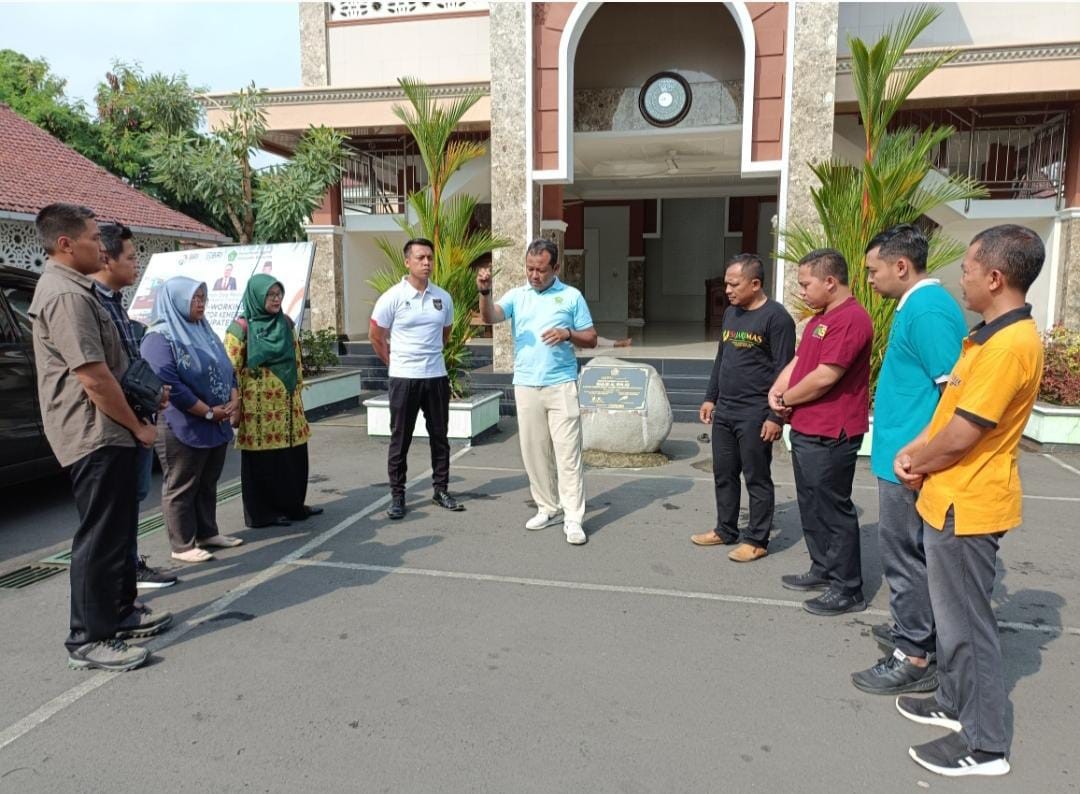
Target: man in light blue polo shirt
[(548, 320), (418, 316), (924, 344)]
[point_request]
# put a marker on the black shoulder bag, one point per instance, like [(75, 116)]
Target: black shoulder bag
[(143, 389)]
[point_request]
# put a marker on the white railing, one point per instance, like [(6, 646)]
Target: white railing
[(348, 10)]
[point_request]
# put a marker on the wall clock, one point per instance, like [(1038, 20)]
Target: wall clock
[(665, 99)]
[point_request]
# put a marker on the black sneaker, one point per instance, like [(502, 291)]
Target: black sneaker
[(832, 603), (927, 711), (804, 581), (143, 622), (895, 674), (445, 500), (397, 508), (147, 578), (950, 756)]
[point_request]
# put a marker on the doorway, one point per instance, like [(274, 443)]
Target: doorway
[(607, 248)]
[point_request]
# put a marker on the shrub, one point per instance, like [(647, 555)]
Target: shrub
[(318, 350), (1061, 367)]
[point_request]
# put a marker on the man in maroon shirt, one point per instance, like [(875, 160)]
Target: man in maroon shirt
[(825, 394)]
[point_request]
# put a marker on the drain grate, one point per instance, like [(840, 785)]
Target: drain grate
[(152, 523), (28, 575)]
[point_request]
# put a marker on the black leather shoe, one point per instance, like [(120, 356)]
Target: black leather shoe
[(281, 521), (894, 675), (397, 508), (306, 513), (804, 581), (832, 603), (443, 499)]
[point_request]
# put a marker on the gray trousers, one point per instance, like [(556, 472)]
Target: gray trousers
[(900, 541), (188, 488), (960, 571)]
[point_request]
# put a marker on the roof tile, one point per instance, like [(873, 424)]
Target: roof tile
[(36, 169)]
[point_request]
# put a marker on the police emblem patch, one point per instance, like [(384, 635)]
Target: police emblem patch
[(437, 303)]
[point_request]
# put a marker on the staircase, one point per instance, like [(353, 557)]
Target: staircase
[(685, 379)]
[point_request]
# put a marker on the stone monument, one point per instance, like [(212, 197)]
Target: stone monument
[(624, 406)]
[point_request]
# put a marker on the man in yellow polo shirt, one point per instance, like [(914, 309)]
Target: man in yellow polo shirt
[(966, 465)]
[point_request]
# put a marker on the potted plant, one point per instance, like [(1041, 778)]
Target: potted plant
[(448, 222), (856, 201), (1055, 419), (327, 388)]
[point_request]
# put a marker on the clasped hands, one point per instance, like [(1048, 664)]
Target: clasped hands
[(902, 470)]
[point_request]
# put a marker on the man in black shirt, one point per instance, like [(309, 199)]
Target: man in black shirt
[(757, 341)]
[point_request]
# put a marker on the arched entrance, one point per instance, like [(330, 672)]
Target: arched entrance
[(654, 204)]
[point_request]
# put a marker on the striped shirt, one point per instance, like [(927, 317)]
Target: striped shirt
[(112, 300)]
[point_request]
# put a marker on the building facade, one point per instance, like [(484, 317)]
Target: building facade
[(651, 141)]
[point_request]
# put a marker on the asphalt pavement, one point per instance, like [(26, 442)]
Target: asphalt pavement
[(459, 652)]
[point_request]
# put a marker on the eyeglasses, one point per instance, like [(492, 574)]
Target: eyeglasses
[(274, 295)]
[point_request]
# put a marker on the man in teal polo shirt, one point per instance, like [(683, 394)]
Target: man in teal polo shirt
[(924, 344), (548, 320)]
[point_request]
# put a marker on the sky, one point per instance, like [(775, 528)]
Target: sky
[(219, 46)]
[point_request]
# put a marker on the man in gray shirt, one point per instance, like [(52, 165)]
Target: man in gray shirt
[(93, 432)]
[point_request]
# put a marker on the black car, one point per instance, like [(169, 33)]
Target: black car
[(24, 452)]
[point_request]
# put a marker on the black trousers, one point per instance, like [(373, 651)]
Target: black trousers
[(737, 449), (273, 484), (407, 397), (102, 566), (824, 474)]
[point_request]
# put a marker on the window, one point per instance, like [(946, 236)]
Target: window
[(18, 299)]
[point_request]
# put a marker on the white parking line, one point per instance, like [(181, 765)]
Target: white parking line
[(99, 679), (726, 598), (1061, 463)]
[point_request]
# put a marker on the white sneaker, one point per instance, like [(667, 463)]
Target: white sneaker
[(574, 533), (542, 519)]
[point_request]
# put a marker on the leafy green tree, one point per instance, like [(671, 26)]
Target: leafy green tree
[(256, 206), (31, 89), (890, 186), (447, 222), (132, 106)]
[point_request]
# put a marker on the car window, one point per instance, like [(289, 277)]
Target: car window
[(19, 299)]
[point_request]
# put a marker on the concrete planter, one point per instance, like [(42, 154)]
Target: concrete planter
[(337, 388), (469, 417), (1053, 424), (864, 450)]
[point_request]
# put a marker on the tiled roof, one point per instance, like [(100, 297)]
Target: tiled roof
[(36, 170)]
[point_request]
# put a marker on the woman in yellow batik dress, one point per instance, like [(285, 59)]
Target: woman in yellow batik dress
[(273, 432)]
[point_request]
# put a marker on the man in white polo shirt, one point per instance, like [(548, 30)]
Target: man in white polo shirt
[(549, 319), (418, 316)]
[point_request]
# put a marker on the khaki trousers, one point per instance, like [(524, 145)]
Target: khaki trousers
[(549, 426)]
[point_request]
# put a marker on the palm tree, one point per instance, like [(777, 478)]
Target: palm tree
[(855, 202), (444, 221)]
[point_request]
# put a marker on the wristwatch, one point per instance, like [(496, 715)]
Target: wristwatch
[(209, 416)]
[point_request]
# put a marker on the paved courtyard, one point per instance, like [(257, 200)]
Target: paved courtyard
[(459, 652)]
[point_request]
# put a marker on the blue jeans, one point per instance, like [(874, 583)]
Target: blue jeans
[(144, 460)]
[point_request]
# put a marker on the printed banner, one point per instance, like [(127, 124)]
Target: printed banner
[(226, 272)]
